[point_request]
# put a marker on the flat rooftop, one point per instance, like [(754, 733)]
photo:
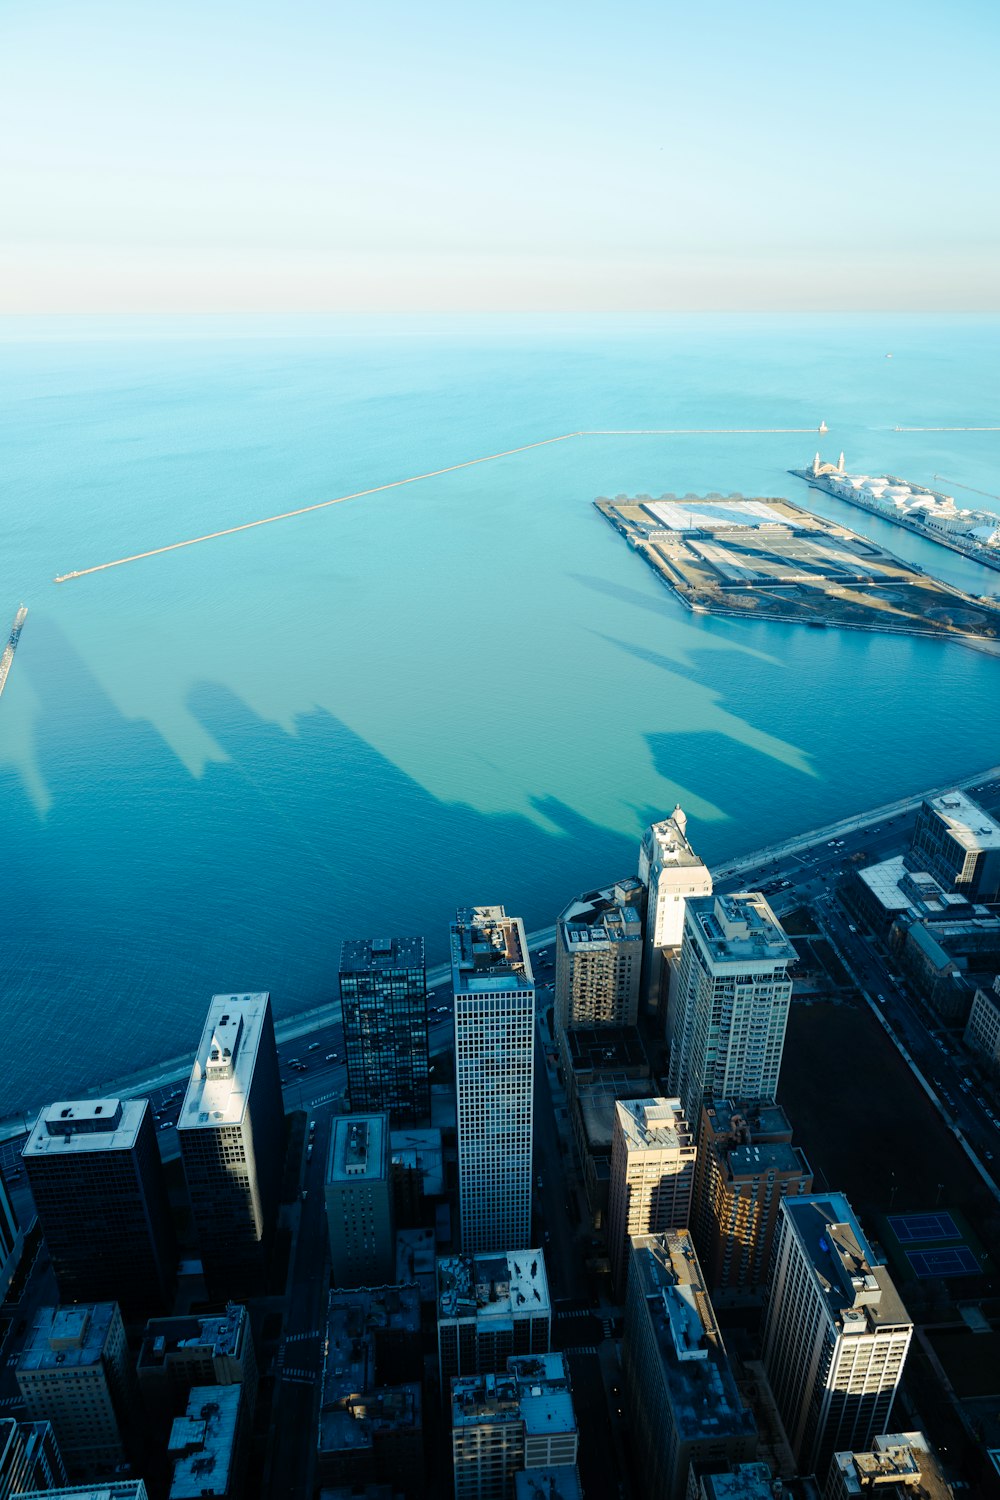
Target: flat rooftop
[(742, 1482), (667, 842), (771, 1156), (897, 888), (702, 1391), (125, 1489), (378, 955), (761, 1118), (966, 821), (359, 1149), (859, 1293), (561, 1482), (599, 1049), (900, 1464), (76, 1127), (654, 1124), (494, 1285), (600, 919), (203, 1441), (67, 1338), (420, 1151), (596, 1102), (221, 1334), (740, 928), (222, 1072), (489, 952), (350, 1394), (713, 514), (534, 1389)]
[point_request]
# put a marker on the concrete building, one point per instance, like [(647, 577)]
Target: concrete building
[(835, 1332), (946, 960), (559, 1483), (491, 1306), (178, 1354), (733, 1482), (683, 1404), (371, 1413), (746, 1166), (599, 958), (30, 1460), (126, 1489), (958, 843), (383, 995), (359, 1211), (74, 1372), (652, 1176), (231, 1135), (417, 1171), (11, 1241), (900, 1466), (982, 1032), (494, 1076), (520, 1420), (208, 1444), (97, 1181), (880, 893), (672, 873), (732, 994)]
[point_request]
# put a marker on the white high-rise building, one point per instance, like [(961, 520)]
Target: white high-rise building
[(652, 1175), (494, 1076), (835, 1332), (732, 994), (671, 872)]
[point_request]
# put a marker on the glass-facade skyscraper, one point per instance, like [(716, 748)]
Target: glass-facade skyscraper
[(383, 996)]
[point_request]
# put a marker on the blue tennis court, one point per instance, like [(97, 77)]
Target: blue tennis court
[(956, 1260), (914, 1229)]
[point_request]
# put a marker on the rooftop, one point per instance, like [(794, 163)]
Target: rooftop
[(897, 888), (535, 1390), (559, 1483), (599, 1049), (359, 1149), (770, 1156), (125, 1489), (653, 1124), (379, 954), (666, 843), (700, 1385), (420, 1151), (220, 1080), (493, 1286), (749, 1119), (741, 1482), (71, 1337), (966, 821), (203, 1441), (221, 1334), (858, 1292), (489, 952), (741, 929), (901, 1464), (352, 1404), (599, 919), (76, 1126)]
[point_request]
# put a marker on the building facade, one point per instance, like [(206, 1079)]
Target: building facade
[(746, 1166), (653, 1156), (959, 844), (98, 1185), (505, 1424), (494, 1076), (835, 1332), (681, 1397), (11, 1240), (672, 873), (231, 1135), (982, 1031), (74, 1372), (489, 1307), (30, 1460), (599, 958), (383, 997), (732, 993), (359, 1208)]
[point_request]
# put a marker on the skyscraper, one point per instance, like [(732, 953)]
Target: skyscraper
[(671, 872), (11, 1240), (652, 1176), (359, 1210), (835, 1332), (97, 1181), (383, 994), (494, 1076), (732, 994), (599, 958), (230, 1130)]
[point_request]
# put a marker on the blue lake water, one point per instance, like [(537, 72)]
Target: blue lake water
[(217, 763)]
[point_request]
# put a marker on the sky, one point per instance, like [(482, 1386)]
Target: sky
[(317, 155)]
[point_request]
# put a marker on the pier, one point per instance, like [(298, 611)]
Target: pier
[(395, 484), (8, 651)]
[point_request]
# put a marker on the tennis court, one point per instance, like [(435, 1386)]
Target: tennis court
[(913, 1229), (956, 1260)]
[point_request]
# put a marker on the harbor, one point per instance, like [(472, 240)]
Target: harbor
[(768, 559), (914, 507), (6, 660)]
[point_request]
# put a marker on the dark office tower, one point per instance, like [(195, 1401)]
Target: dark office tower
[(11, 1242), (231, 1132), (98, 1186), (383, 995)]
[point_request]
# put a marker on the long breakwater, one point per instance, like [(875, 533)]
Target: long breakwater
[(8, 651)]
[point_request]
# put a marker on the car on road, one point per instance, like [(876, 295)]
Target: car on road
[(313, 1047), (330, 1057)]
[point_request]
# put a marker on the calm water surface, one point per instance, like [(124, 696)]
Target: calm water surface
[(216, 764)]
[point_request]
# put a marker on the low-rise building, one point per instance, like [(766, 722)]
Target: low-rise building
[(946, 960), (680, 1393), (733, 1482), (958, 843), (746, 1165), (359, 1210), (30, 1460), (501, 1424), (126, 1489), (417, 1170), (982, 1031), (179, 1353), (74, 1372), (652, 1176), (559, 1483), (900, 1466), (208, 1444), (491, 1306)]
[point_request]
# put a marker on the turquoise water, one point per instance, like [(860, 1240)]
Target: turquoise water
[(217, 763)]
